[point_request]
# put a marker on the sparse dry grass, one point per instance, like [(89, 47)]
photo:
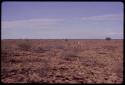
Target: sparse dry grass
[(62, 61)]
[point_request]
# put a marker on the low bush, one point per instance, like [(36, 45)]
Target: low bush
[(26, 46)]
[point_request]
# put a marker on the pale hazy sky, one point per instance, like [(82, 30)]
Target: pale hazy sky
[(59, 20)]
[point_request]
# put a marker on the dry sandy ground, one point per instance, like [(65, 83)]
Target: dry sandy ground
[(62, 61)]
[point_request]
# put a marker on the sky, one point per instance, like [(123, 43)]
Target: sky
[(62, 20)]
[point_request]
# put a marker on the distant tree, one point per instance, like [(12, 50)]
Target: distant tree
[(107, 38)]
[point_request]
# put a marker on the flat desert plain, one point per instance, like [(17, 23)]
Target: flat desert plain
[(62, 61)]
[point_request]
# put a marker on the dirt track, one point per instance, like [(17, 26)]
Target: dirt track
[(62, 61)]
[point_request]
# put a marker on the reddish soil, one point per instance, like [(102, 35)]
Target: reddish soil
[(62, 61)]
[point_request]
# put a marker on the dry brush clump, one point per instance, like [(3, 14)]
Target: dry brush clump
[(72, 51), (25, 46), (40, 49), (70, 54)]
